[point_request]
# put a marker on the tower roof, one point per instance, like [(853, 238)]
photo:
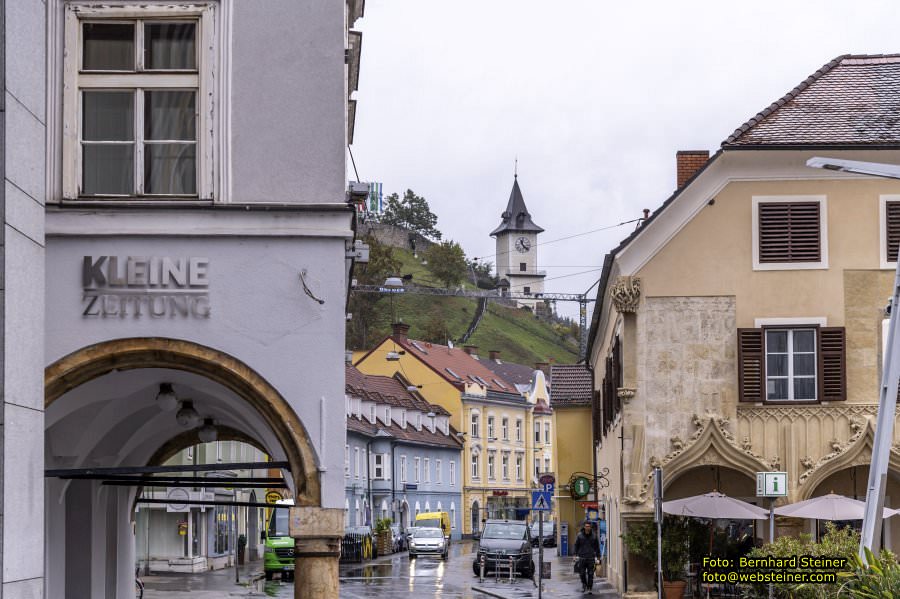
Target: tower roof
[(516, 216)]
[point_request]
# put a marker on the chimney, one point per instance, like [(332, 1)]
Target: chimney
[(401, 331), (688, 163), (494, 354), (543, 367), (472, 350)]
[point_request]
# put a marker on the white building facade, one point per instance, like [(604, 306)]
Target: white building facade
[(175, 211)]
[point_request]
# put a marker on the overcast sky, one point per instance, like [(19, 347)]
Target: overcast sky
[(594, 97)]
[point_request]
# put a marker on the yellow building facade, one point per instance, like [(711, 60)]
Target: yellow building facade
[(494, 418), (740, 328)]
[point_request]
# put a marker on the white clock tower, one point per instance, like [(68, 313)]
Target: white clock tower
[(517, 248)]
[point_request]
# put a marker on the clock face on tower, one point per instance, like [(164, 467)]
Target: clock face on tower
[(523, 244)]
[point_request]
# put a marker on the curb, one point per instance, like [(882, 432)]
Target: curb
[(489, 593)]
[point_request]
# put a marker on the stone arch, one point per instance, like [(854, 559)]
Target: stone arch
[(857, 453), (713, 446), (93, 361)]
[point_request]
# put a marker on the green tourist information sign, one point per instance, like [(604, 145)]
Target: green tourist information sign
[(580, 487)]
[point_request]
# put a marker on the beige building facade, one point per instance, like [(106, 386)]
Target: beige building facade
[(740, 329)]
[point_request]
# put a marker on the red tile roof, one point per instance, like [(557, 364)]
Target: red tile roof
[(854, 100), (570, 384), (456, 366), (409, 434), (386, 390)]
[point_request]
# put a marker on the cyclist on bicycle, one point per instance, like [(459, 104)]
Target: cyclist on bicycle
[(587, 551)]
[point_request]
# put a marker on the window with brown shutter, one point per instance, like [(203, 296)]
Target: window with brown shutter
[(789, 232), (892, 229), (750, 364), (832, 364), (792, 364)]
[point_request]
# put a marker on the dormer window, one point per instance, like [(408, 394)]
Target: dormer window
[(453, 374), (403, 419), (372, 416), (387, 415)]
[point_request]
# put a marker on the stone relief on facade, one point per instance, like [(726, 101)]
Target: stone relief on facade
[(857, 425), (626, 294), (639, 494), (625, 394)]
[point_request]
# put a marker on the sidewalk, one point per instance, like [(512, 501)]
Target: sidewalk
[(564, 582), (216, 583)]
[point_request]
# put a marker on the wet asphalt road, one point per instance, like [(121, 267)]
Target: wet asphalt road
[(385, 578)]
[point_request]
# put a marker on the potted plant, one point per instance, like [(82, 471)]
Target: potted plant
[(384, 536), (640, 539)]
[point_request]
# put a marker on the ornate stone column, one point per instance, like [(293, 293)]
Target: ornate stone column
[(626, 294), (317, 536)]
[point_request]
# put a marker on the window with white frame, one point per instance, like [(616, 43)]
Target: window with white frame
[(791, 364), (356, 461), (372, 413), (505, 465), (546, 433), (452, 473), (476, 467), (347, 461), (438, 475), (403, 469), (537, 432), (416, 470), (402, 418), (475, 422), (490, 427), (387, 415), (546, 464), (378, 466), (789, 232), (491, 466), (427, 466), (519, 467), (141, 101), (504, 428), (519, 430)]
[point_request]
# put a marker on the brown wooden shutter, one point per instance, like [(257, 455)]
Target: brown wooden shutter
[(892, 224), (750, 365), (789, 232), (832, 364)]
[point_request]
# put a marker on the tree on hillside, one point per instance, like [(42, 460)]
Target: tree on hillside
[(447, 262), (436, 329), (411, 212), (483, 277), (382, 264)]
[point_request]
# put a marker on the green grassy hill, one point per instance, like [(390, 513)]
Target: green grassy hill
[(516, 333)]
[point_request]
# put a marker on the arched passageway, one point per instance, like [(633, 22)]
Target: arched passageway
[(102, 412)]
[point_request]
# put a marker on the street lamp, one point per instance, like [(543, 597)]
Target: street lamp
[(207, 432), (166, 399), (884, 425), (393, 285)]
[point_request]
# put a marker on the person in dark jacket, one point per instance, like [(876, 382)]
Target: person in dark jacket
[(587, 550)]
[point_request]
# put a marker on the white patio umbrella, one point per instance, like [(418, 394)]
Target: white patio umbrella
[(829, 507), (715, 505)]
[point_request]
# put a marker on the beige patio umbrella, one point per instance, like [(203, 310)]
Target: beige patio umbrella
[(713, 506), (829, 507)]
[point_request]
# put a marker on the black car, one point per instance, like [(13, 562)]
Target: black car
[(549, 536), (501, 540)]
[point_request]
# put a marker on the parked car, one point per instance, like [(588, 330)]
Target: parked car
[(366, 537), (501, 540), (428, 541), (549, 537), (398, 538)]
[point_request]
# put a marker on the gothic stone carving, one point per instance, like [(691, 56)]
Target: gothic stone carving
[(625, 294), (625, 394)]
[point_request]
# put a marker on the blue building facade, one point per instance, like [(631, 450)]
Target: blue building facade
[(401, 456)]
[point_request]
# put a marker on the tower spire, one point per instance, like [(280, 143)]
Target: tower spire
[(516, 168)]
